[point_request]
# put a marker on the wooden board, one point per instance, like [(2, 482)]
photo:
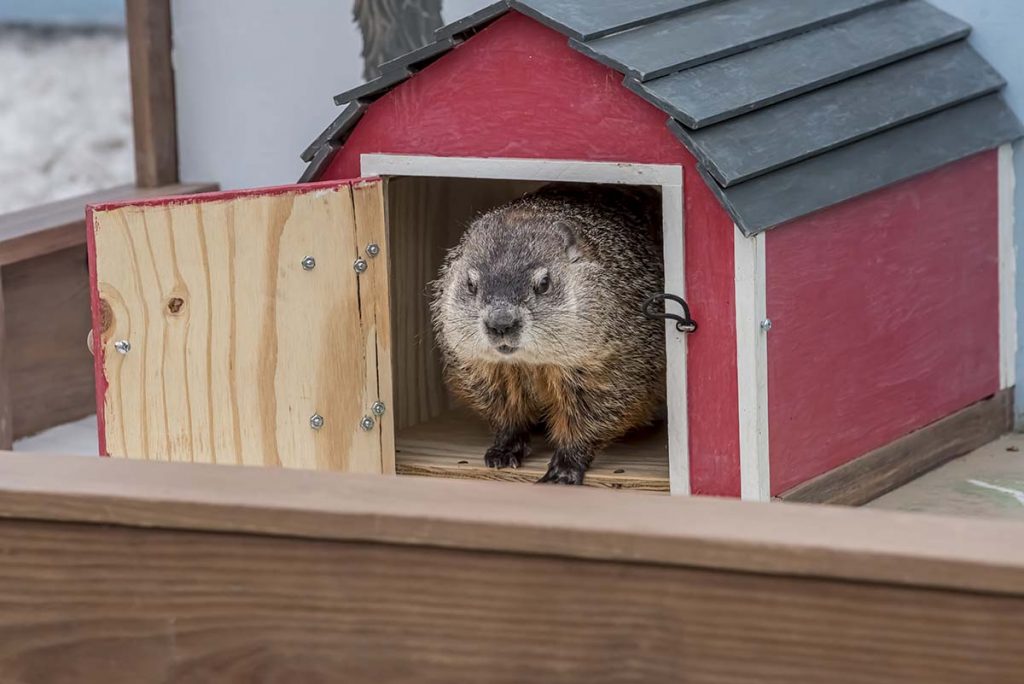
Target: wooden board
[(870, 476), (54, 226), (781, 539), (122, 606), (124, 572), (234, 345), (47, 368), (775, 72), (50, 372), (6, 408), (453, 445)]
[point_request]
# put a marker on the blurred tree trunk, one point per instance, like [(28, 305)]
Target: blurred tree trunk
[(392, 28)]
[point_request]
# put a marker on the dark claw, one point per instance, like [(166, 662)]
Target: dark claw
[(564, 474), (505, 456), (511, 447), (569, 465)]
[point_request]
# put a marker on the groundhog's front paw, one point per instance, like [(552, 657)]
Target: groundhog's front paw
[(564, 473), (569, 465), (505, 455)]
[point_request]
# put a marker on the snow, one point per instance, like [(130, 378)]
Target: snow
[(65, 114)]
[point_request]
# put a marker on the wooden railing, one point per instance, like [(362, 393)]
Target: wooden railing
[(54, 226), (114, 571)]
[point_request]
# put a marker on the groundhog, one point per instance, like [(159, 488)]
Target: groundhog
[(538, 313)]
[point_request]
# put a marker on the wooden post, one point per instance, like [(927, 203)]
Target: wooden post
[(6, 422), (149, 49)]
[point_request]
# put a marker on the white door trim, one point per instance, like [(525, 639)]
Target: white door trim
[(667, 176), (521, 169), (1007, 271), (752, 365)]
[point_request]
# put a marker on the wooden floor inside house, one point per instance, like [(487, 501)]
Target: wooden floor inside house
[(454, 445)]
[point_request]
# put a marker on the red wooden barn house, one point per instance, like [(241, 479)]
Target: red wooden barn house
[(835, 178)]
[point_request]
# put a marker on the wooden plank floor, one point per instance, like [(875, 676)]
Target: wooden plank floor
[(988, 482), (454, 445)]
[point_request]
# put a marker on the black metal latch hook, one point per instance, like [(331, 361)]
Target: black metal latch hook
[(683, 323)]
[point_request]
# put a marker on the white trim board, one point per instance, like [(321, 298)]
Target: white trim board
[(752, 365), (521, 169), (668, 177), (1007, 271), (675, 342)]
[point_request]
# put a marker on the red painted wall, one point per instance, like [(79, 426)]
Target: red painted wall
[(885, 314), (517, 90)]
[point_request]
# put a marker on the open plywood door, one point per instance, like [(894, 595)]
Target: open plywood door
[(220, 342)]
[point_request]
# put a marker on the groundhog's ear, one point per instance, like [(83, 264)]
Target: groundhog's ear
[(572, 247)]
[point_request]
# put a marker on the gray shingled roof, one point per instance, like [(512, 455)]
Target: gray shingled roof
[(790, 106)]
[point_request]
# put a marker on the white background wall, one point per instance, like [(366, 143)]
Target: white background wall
[(999, 36), (255, 81)]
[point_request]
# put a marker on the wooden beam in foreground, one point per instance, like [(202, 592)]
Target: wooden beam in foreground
[(121, 571)]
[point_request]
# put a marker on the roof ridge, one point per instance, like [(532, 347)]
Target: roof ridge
[(583, 19)]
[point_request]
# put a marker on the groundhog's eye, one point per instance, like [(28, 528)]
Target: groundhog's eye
[(543, 285), (471, 286)]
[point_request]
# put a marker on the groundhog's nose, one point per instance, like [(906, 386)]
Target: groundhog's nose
[(502, 322)]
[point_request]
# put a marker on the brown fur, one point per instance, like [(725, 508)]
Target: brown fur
[(591, 366)]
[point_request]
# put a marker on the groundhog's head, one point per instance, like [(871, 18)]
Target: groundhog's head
[(515, 289)]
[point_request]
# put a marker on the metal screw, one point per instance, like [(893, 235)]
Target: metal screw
[(309, 263), (316, 421), (360, 265), (372, 249), (378, 408), (766, 324), (123, 346), (367, 423)]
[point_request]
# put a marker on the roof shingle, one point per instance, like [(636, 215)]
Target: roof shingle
[(712, 32), (589, 20), (749, 146), (778, 71), (789, 107), (870, 164)]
